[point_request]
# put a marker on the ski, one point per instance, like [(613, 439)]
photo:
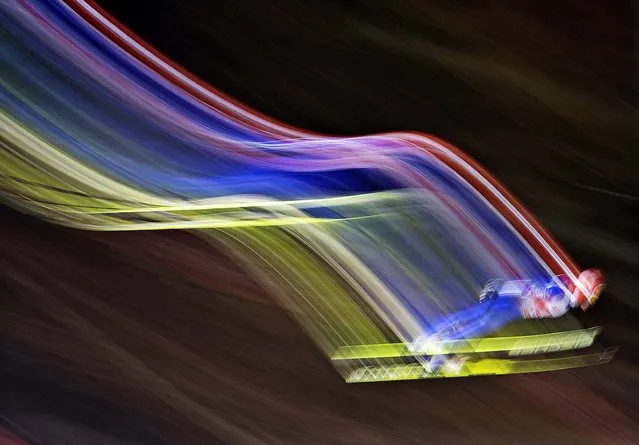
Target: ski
[(513, 345), (482, 367)]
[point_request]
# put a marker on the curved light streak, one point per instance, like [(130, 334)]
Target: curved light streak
[(368, 240)]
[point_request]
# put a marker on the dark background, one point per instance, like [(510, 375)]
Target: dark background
[(159, 338)]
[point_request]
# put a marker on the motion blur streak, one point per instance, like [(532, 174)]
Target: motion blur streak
[(466, 166), (148, 310), (373, 242)]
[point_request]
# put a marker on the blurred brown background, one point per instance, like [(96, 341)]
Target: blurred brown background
[(157, 338)]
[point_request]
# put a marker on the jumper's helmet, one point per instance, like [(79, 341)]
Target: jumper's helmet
[(586, 291)]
